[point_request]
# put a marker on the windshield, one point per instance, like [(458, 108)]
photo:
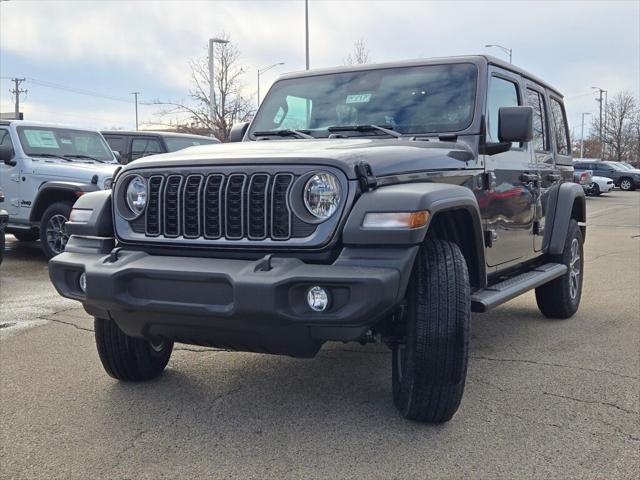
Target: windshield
[(411, 100), (178, 143), (74, 145)]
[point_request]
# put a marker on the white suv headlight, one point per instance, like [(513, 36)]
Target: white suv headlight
[(137, 194), (322, 195)]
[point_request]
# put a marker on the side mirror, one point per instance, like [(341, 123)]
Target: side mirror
[(238, 132), (515, 124), (6, 155), (117, 155)]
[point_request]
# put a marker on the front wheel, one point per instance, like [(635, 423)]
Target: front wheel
[(560, 298), (626, 184), (128, 358), (595, 190), (430, 361), (53, 232)]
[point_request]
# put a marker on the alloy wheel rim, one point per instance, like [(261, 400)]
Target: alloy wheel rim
[(56, 232), (574, 269), (626, 184)]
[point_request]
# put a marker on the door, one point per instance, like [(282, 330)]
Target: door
[(548, 174), (10, 176), (508, 206)]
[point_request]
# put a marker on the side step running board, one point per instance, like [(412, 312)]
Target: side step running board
[(501, 292)]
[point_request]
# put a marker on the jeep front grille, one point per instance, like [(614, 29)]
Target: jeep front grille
[(216, 206)]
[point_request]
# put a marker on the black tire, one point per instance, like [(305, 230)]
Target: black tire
[(128, 358), (560, 298), (627, 184), (430, 363), (595, 190), (27, 236), (53, 237)]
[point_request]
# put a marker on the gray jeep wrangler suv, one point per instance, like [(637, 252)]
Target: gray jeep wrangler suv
[(379, 203)]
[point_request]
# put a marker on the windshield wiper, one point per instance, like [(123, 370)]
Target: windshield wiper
[(89, 157), (49, 155), (283, 133), (388, 129)]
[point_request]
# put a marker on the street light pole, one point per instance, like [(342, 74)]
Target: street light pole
[(599, 100), (263, 70), (582, 135), (212, 83), (306, 32), (135, 95), (504, 49)]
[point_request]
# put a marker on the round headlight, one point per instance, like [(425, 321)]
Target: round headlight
[(137, 194), (322, 195)]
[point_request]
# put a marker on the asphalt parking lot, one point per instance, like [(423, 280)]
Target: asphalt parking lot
[(544, 398)]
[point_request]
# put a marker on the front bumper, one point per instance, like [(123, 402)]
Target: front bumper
[(234, 303)]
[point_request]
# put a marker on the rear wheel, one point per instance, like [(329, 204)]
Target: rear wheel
[(53, 233), (595, 190), (560, 298), (626, 184), (29, 236), (430, 362), (128, 358)]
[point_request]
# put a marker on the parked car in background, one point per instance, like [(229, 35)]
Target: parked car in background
[(584, 178), (44, 168), (132, 145), (4, 219), (622, 176), (600, 185)]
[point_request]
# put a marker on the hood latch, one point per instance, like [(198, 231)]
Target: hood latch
[(366, 178)]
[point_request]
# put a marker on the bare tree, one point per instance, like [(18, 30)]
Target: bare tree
[(230, 105), (359, 55), (619, 132)]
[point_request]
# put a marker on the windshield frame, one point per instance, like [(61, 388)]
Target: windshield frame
[(472, 128), (20, 131)]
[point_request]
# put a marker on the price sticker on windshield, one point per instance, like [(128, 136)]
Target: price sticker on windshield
[(359, 98), (41, 138)]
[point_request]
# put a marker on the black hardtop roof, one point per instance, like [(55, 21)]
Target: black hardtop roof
[(154, 132), (475, 59)]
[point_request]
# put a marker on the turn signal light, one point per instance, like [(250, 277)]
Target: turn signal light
[(396, 219)]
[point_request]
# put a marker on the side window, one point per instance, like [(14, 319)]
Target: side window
[(502, 93), (142, 147), (115, 143), (5, 138), (560, 129), (540, 139)]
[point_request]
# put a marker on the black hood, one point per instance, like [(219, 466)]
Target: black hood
[(386, 156)]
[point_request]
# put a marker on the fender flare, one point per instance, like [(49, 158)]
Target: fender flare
[(49, 192), (437, 198), (570, 203)]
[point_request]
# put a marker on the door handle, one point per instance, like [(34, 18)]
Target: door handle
[(553, 177), (529, 177)]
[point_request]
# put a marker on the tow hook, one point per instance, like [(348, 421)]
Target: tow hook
[(113, 255)]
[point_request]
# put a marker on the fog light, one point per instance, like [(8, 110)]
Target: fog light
[(82, 282), (318, 299)]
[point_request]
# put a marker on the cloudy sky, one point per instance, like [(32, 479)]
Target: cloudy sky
[(112, 48)]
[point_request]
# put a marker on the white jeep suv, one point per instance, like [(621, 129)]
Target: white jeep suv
[(44, 168)]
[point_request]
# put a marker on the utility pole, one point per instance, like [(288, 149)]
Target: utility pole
[(135, 94), (306, 32), (17, 91), (600, 133), (582, 135)]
